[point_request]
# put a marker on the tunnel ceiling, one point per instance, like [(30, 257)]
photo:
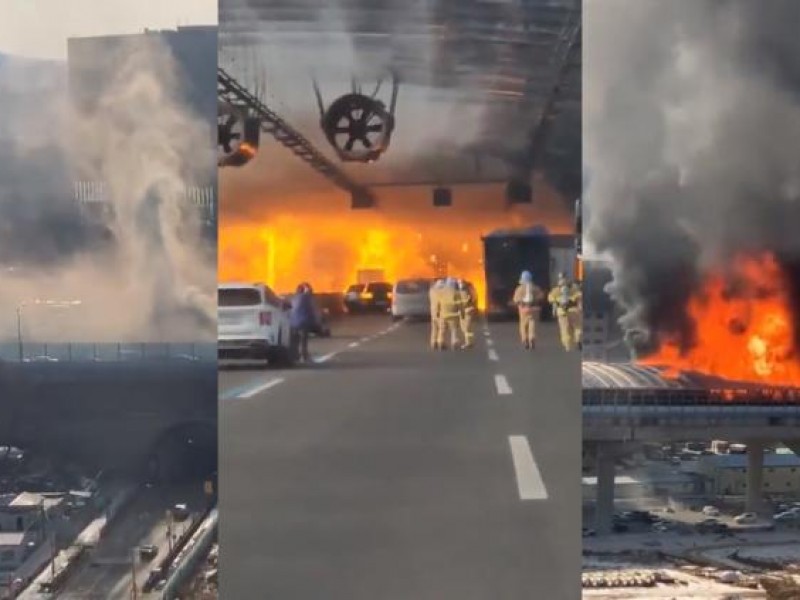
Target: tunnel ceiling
[(622, 376), (504, 57)]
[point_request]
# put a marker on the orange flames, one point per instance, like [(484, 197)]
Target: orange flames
[(283, 235), (744, 327), (332, 253)]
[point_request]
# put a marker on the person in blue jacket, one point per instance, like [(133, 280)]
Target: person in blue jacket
[(302, 318)]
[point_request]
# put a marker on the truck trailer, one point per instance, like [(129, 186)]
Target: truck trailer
[(506, 254)]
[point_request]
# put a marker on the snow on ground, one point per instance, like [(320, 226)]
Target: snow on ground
[(687, 585), (679, 543)]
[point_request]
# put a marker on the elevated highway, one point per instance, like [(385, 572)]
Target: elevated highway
[(625, 403), (113, 406)]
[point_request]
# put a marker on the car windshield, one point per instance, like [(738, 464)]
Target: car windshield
[(413, 286), (238, 297), (381, 288), (357, 288)]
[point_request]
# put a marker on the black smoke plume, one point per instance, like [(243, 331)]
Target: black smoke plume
[(692, 127)]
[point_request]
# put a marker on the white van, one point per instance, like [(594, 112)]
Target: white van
[(253, 322), (411, 299)]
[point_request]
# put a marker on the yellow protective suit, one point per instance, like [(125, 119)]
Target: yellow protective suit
[(468, 311), (527, 298), (449, 310), (567, 301), (436, 324)]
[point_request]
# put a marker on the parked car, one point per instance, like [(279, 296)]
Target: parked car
[(180, 512), (368, 297), (322, 327), (411, 299), (148, 551), (711, 511), (747, 518), (788, 516), (253, 322)]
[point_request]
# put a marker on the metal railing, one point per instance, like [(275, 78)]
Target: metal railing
[(72, 352), (678, 397), (231, 91)]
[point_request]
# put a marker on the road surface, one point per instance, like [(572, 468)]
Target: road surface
[(105, 574), (389, 471)]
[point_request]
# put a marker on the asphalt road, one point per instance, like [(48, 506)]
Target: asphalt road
[(390, 471), (106, 573)]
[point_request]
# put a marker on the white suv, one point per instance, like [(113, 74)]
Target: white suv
[(253, 322)]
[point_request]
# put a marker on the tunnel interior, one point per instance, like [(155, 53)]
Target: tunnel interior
[(184, 452)]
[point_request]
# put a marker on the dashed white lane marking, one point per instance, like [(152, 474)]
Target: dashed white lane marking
[(501, 383), (490, 342), (325, 358), (529, 479), (331, 355), (493, 355), (261, 388)]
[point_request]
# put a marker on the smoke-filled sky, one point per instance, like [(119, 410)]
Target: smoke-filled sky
[(40, 28), (691, 129), (147, 274)]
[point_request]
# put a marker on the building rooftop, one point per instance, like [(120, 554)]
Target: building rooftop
[(11, 538), (597, 375), (739, 461)]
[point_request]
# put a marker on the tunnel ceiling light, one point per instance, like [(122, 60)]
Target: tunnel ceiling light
[(442, 196), (519, 192), (360, 201)]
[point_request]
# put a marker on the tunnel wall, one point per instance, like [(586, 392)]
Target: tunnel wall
[(107, 415)]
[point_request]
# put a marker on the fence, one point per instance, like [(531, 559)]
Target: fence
[(106, 352)]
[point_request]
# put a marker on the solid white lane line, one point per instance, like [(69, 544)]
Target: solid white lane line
[(260, 388), (529, 479), (493, 354), (501, 383)]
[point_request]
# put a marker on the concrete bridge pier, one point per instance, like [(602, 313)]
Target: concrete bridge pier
[(607, 455), (754, 498)]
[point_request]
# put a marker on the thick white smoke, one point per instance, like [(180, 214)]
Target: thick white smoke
[(155, 281), (453, 102), (691, 124)]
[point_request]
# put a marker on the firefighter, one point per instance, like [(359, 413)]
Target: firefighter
[(567, 301), (436, 323), (575, 314), (527, 297), (467, 314), (449, 311)]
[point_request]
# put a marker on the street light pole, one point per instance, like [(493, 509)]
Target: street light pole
[(19, 332), (134, 589)]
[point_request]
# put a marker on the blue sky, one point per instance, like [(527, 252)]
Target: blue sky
[(40, 28)]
